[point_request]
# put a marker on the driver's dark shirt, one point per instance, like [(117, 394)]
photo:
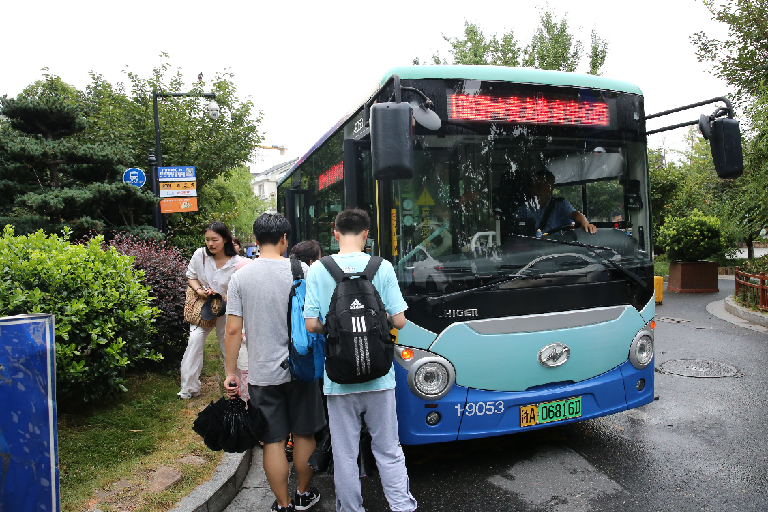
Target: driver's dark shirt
[(560, 215)]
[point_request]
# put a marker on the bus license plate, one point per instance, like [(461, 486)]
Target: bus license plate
[(548, 412)]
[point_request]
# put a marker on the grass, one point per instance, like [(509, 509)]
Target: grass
[(108, 451)]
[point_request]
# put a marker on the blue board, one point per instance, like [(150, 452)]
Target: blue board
[(181, 173), (135, 176), (29, 471)]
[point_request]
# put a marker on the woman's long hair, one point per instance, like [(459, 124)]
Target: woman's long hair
[(221, 229)]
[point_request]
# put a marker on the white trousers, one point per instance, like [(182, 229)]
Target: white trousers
[(381, 417), (192, 362)]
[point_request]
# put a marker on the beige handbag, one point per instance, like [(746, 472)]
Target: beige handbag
[(192, 306), (193, 303)]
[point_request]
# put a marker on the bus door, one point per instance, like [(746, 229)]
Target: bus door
[(360, 187), (299, 206)]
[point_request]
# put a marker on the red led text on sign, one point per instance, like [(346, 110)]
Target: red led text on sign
[(331, 176), (528, 110)]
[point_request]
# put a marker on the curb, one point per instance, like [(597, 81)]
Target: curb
[(744, 313), (215, 494)]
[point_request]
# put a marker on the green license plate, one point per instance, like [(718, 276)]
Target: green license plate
[(548, 412)]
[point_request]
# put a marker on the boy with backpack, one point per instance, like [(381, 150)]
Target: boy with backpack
[(257, 293), (359, 351)]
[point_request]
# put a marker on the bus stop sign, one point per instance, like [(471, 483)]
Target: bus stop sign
[(135, 176)]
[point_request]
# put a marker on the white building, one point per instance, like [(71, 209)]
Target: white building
[(264, 183)]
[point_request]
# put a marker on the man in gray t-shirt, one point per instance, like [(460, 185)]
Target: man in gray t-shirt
[(258, 300), (263, 285)]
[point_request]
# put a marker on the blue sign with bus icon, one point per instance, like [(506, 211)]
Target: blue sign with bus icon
[(135, 176)]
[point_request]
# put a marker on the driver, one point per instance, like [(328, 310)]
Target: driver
[(551, 212)]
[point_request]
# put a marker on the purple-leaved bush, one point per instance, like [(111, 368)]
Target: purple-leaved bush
[(164, 272)]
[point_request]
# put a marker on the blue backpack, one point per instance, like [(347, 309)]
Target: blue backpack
[(306, 356)]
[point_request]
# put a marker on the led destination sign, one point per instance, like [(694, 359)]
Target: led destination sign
[(331, 176), (538, 110)]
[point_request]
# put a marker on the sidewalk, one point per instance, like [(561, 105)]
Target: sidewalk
[(729, 311)]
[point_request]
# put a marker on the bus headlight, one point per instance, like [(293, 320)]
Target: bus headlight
[(430, 377), (641, 350)]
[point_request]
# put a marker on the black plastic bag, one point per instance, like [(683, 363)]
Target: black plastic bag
[(208, 423), (241, 428), (322, 458), (227, 425), (365, 459)]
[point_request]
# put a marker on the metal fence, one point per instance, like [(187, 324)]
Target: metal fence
[(752, 289)]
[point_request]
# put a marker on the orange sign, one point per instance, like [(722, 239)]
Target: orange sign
[(178, 205)]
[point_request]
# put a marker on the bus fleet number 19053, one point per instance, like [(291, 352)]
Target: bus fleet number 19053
[(481, 408)]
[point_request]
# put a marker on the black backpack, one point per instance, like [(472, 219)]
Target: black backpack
[(358, 344)]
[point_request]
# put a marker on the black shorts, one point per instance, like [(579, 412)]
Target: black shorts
[(294, 406)]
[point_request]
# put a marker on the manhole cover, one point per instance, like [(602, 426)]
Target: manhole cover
[(671, 320), (698, 368)]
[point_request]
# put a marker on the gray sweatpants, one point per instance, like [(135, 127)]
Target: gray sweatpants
[(381, 418)]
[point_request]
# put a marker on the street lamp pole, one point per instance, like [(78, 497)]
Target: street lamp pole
[(213, 112)]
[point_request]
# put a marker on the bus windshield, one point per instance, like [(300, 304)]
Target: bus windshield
[(507, 203)]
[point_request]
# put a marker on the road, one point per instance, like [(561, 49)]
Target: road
[(700, 446)]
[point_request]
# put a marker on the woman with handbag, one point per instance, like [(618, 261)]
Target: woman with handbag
[(209, 272)]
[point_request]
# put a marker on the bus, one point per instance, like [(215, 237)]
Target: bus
[(515, 322)]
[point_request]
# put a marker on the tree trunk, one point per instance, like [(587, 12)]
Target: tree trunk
[(750, 248)]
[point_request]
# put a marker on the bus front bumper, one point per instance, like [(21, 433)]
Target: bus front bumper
[(467, 413)]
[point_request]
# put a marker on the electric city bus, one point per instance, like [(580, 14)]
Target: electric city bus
[(513, 323)]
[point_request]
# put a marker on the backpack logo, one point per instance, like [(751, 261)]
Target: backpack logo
[(358, 324), (356, 305)]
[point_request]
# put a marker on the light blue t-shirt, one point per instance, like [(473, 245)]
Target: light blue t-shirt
[(320, 287), (560, 216)]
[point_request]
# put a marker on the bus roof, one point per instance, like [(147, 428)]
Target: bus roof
[(508, 74), (486, 73)]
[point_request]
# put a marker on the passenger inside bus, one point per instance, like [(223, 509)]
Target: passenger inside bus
[(549, 213)]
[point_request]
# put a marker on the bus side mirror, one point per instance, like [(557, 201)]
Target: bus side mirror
[(725, 144), (392, 141)]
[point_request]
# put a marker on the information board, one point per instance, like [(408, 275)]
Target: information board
[(182, 173), (178, 205), (178, 189)]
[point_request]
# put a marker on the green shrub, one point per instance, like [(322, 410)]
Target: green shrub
[(692, 238), (84, 227), (661, 265), (104, 321), (186, 243)]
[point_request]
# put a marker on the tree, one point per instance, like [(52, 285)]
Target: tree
[(665, 178), (744, 201), (552, 47), (476, 49), (50, 169), (113, 126), (230, 199), (188, 135), (739, 59)]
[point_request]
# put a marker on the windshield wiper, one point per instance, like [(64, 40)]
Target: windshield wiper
[(631, 275), (448, 297)]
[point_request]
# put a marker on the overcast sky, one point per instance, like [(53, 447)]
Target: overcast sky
[(306, 64)]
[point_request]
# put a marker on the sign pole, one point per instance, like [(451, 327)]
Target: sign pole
[(155, 189)]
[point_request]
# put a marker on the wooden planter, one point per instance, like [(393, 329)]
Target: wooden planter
[(693, 277)]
